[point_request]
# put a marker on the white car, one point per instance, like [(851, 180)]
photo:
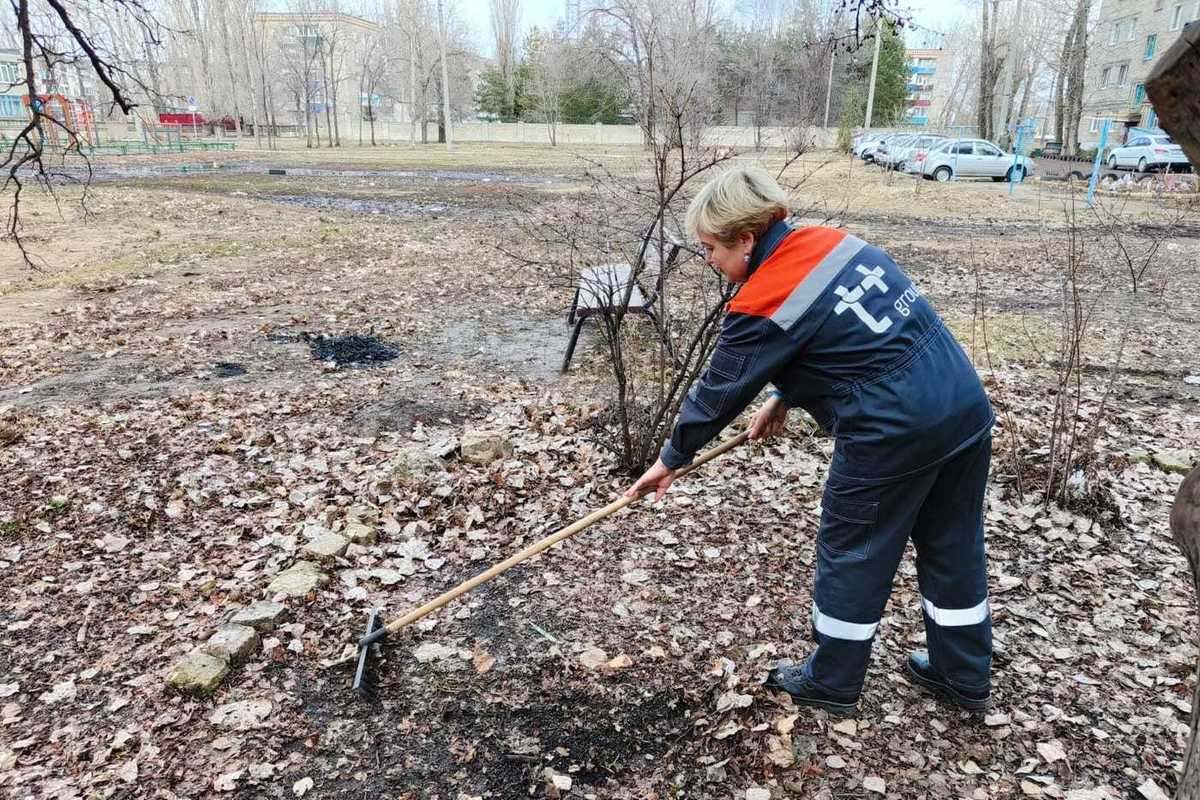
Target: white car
[(868, 147), (885, 153), (908, 155), (1147, 152), (972, 158)]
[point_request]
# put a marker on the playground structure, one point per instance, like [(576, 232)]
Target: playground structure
[(70, 126)]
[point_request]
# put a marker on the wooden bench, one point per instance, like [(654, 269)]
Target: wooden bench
[(601, 290)]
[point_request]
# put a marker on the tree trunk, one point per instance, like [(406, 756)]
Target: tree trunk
[(449, 133), (412, 90), (325, 89), (1075, 75), (1185, 530), (985, 64)]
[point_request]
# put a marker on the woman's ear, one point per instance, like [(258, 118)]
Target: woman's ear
[(746, 239)]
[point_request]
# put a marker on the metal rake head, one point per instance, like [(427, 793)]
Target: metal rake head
[(365, 678)]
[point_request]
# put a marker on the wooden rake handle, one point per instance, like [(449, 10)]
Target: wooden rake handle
[(537, 547)]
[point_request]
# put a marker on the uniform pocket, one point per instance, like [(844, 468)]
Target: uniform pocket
[(713, 391), (726, 365), (846, 525)]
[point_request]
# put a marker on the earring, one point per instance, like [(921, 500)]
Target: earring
[(746, 258)]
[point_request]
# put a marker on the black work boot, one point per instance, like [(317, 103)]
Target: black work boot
[(922, 673), (805, 691)]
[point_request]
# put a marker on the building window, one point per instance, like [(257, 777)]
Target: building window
[(1105, 76), (1177, 17), (1131, 31), (1139, 95), (1158, 4), (1122, 74), (1115, 34), (10, 73), (11, 107), (1095, 126), (1151, 46)]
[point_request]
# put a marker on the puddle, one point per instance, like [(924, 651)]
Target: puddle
[(359, 205), (108, 172)]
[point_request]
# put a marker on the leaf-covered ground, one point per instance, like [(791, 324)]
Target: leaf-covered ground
[(150, 490)]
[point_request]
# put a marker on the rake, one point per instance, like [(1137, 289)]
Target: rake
[(365, 677)]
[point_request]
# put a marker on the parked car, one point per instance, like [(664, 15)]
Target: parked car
[(902, 156), (972, 158), (864, 141), (867, 152), (1149, 152), (883, 155)]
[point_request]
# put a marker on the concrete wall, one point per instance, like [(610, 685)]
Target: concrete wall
[(597, 134)]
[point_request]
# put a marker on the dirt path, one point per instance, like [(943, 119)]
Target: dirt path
[(169, 445)]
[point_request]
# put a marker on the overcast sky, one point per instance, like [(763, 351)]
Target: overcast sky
[(935, 15)]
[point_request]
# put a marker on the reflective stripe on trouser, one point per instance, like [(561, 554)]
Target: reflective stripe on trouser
[(864, 530)]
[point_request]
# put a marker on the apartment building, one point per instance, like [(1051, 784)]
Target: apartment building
[(303, 41), (926, 94), (12, 88), (1128, 38)]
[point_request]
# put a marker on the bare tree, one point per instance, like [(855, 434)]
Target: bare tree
[(51, 37), (506, 15), (991, 62), (1068, 86), (548, 56), (448, 123)]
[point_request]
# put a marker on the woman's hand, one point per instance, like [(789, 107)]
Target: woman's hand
[(657, 479), (770, 420)]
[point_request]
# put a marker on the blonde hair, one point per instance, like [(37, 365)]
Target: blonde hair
[(740, 199)]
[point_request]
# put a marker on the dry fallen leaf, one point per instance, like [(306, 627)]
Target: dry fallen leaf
[(483, 661), (1051, 751), (874, 783), (618, 663)]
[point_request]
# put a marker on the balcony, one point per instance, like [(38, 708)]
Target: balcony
[(914, 69)]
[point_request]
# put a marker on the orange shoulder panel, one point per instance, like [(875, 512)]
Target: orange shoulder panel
[(795, 257)]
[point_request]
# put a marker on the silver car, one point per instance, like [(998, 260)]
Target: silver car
[(870, 147), (885, 153), (973, 158), (904, 157), (1147, 152)]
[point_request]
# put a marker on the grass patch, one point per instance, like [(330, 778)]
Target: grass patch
[(160, 260)]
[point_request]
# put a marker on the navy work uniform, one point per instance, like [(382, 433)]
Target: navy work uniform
[(843, 333)]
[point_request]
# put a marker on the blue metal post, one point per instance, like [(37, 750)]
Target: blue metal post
[(1096, 163)]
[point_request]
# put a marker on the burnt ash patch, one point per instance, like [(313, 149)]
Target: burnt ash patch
[(350, 349)]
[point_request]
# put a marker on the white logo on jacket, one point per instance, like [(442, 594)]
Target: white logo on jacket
[(850, 298)]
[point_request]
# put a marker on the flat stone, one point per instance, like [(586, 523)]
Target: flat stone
[(481, 447), (360, 532), (262, 616), (234, 643), (327, 545), (297, 581), (407, 463), (1178, 461), (1138, 456), (198, 674), (242, 715)]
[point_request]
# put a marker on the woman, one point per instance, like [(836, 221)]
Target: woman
[(840, 331)]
